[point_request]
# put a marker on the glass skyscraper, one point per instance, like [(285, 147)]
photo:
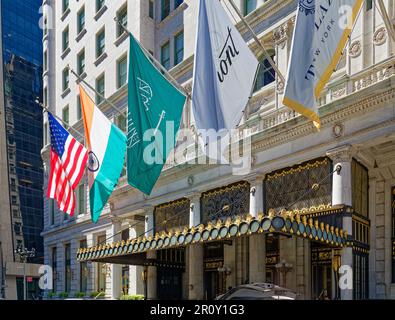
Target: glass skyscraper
[(21, 38)]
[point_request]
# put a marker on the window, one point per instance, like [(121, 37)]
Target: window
[(54, 268), (165, 55), (65, 38), (81, 199), (122, 17), (67, 267), (79, 110), (18, 228), (84, 271), (177, 3), (81, 20), (51, 204), (81, 62), (66, 79), (249, 6), (65, 5), (265, 76), (102, 269), (99, 4), (393, 235), (178, 48), (66, 115), (100, 43), (122, 122), (151, 12), (100, 87), (122, 71), (360, 187), (369, 5), (165, 8)]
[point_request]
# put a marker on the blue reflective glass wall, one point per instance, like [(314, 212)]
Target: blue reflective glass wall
[(22, 59)]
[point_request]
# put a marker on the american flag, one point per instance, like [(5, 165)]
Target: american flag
[(68, 161)]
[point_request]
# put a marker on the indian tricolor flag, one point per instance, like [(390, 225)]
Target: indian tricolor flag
[(106, 146)]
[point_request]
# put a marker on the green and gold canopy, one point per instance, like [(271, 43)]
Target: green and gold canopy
[(300, 223)]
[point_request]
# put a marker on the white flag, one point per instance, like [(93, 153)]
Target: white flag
[(321, 33), (224, 70)]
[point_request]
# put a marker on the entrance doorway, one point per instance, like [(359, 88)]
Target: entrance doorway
[(169, 283), (322, 272), (214, 281)]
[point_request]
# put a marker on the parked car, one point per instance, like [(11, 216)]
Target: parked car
[(258, 291)]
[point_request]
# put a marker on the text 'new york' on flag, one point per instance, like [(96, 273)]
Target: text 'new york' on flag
[(320, 36), (68, 161), (155, 111), (224, 71), (106, 145)]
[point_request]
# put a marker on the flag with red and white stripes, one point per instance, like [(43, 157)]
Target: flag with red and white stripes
[(68, 161)]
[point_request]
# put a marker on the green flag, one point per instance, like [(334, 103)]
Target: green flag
[(155, 111)]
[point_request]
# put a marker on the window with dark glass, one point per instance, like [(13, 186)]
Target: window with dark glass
[(122, 72), (165, 55), (369, 5), (100, 88), (66, 115), (265, 75), (179, 48), (151, 9), (65, 38), (99, 4), (81, 62), (81, 199), (79, 110), (67, 270), (360, 187), (51, 204), (165, 8), (81, 20), (54, 268), (65, 5), (171, 215), (66, 79), (122, 123), (177, 3), (249, 6), (84, 271), (122, 18), (102, 269), (100, 43)]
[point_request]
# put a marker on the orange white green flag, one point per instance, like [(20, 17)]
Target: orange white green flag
[(106, 146)]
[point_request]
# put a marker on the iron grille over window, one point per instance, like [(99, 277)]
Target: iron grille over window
[(233, 200), (302, 186), (172, 215)]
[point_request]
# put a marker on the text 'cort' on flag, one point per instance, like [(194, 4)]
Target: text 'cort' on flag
[(68, 161)]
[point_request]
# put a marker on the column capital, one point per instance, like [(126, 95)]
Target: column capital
[(281, 33), (193, 196), (341, 154), (255, 178), (148, 209)]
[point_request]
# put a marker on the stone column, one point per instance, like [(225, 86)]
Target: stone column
[(116, 269), (257, 242), (342, 195), (136, 283), (196, 254), (151, 272)]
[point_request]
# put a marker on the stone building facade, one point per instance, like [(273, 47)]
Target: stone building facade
[(313, 205)]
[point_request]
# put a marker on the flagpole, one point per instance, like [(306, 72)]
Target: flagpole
[(386, 18), (97, 92), (157, 63), (259, 43), (45, 109)]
